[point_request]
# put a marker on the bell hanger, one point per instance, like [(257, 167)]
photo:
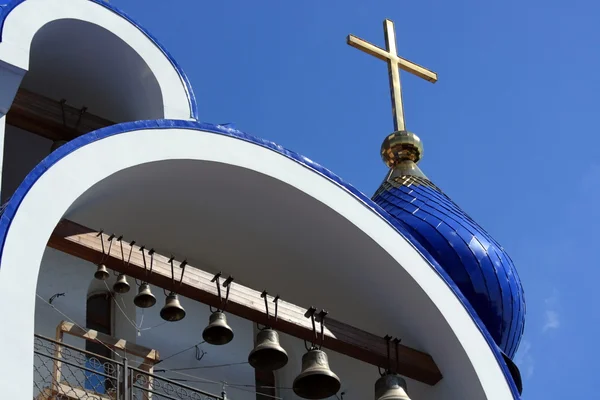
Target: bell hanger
[(316, 380), (390, 385), (121, 286), (268, 355), (102, 273), (145, 298), (173, 311), (218, 332)]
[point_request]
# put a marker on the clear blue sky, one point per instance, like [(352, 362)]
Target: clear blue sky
[(510, 130)]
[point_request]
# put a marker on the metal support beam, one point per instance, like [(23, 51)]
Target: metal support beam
[(246, 303)]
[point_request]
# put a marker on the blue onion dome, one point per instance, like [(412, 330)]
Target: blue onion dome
[(477, 264)]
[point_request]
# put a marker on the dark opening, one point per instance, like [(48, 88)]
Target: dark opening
[(99, 318), (514, 371)]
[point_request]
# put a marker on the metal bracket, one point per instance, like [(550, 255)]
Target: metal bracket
[(226, 284)]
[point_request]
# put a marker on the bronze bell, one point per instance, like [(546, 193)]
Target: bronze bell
[(217, 332), (268, 355), (316, 381), (172, 311), (391, 387), (101, 273), (144, 298), (121, 286)]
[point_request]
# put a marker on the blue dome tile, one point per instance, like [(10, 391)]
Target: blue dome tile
[(477, 264)]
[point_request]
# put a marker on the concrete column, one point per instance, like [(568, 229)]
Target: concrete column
[(10, 80)]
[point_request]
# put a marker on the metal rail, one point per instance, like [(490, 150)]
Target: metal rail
[(65, 372)]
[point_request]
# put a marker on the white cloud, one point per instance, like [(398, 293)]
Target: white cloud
[(524, 359), (552, 318)]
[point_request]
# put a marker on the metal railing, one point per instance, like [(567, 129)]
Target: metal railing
[(64, 372)]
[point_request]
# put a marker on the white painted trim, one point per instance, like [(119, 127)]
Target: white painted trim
[(10, 79), (26, 19), (51, 196)]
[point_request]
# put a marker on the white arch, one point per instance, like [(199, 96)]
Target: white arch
[(58, 188), (28, 17)]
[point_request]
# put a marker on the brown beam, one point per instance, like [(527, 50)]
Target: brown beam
[(51, 119), (244, 302), (91, 335)]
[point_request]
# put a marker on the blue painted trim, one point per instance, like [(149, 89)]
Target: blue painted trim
[(14, 203), (5, 10)]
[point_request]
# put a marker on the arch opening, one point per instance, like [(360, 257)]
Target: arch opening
[(89, 66), (100, 78), (363, 239)]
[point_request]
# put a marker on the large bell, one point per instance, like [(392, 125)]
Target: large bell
[(101, 273), (144, 298), (268, 354), (217, 332), (316, 381), (172, 311), (121, 286), (391, 387)]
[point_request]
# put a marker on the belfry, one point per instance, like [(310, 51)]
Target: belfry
[(143, 273)]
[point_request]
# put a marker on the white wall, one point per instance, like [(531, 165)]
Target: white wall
[(23, 150), (10, 78), (62, 273)]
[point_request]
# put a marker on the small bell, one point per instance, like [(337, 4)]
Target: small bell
[(316, 381), (121, 286), (144, 298), (268, 355), (391, 387), (172, 311), (101, 273), (217, 332)]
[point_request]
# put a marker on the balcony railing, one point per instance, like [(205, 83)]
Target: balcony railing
[(64, 372)]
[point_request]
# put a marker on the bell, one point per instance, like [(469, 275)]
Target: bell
[(316, 381), (217, 332), (391, 387), (172, 311), (144, 298), (268, 355), (101, 273), (121, 286)]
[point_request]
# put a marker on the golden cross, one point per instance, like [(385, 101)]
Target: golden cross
[(390, 55)]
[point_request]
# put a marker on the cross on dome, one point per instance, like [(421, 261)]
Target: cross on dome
[(395, 62)]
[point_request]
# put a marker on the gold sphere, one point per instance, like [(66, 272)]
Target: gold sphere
[(401, 146)]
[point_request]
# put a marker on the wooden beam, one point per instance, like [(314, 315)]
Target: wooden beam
[(45, 117), (146, 353), (244, 302)]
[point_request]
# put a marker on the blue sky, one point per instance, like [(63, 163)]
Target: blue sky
[(510, 129)]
